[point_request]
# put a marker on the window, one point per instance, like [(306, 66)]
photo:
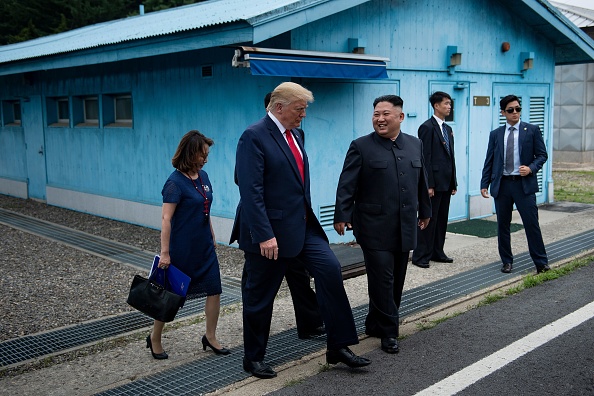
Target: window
[(12, 112), (58, 111), (85, 111), (16, 112), (63, 111), (451, 118), (123, 108), (91, 108), (117, 110)]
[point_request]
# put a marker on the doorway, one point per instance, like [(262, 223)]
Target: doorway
[(458, 120)]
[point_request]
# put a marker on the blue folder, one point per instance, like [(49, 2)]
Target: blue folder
[(177, 281)]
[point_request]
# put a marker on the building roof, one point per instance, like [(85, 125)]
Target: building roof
[(161, 23), (230, 22), (581, 17)]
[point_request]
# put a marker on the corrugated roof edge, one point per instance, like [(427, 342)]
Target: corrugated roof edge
[(160, 23)]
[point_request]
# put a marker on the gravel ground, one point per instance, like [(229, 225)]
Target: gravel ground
[(45, 284)]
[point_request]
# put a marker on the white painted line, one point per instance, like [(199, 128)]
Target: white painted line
[(473, 373)]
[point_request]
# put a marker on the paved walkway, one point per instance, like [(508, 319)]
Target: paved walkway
[(212, 373)]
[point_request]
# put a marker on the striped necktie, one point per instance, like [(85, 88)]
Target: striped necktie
[(446, 139)]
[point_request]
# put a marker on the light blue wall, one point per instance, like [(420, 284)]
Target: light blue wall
[(171, 97), (13, 161), (415, 36)]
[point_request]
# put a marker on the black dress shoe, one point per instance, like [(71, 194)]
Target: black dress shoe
[(258, 369), (446, 259), (507, 268), (422, 265), (158, 356), (390, 345), (543, 268), (206, 343), (346, 356), (305, 335)]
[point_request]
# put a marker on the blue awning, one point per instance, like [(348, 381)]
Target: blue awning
[(292, 63)]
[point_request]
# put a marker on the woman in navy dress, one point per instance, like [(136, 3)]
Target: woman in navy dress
[(187, 237)]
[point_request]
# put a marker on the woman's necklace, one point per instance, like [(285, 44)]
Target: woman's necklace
[(202, 192)]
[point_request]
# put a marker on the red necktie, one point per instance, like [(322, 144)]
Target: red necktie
[(296, 154)]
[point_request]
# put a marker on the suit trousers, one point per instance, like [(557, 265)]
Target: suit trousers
[(305, 304), (386, 271), (431, 240), (511, 192), (260, 283)]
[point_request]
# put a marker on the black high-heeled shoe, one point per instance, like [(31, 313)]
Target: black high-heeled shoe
[(205, 343), (158, 356)]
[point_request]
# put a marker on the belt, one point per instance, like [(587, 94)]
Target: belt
[(511, 177)]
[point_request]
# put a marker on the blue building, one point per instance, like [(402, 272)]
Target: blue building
[(90, 118)]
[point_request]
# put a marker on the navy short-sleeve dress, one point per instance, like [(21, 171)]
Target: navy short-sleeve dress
[(191, 246)]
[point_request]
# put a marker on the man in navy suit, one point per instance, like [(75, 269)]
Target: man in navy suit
[(275, 226), (307, 312), (516, 152), (383, 194), (438, 152)]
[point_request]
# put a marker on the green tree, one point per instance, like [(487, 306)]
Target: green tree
[(29, 19)]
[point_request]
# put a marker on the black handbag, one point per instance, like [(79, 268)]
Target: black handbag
[(152, 299)]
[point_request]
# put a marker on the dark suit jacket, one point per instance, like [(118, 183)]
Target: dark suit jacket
[(274, 200), (533, 153), (383, 181), (441, 167)]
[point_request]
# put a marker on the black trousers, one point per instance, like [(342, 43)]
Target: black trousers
[(431, 240), (305, 304), (260, 283), (510, 193), (386, 271)]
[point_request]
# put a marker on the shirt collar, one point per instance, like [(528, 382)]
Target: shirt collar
[(280, 126), (440, 122), (517, 126)]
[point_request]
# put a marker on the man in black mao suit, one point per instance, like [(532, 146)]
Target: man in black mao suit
[(438, 151), (275, 225), (381, 189), (516, 152)]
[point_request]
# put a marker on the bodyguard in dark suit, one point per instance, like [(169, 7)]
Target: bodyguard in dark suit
[(275, 226), (438, 151), (516, 152), (381, 189)]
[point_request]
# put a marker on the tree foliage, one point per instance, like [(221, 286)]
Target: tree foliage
[(29, 19)]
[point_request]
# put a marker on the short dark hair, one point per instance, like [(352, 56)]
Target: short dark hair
[(191, 144), (438, 97), (508, 99), (267, 99), (394, 99)]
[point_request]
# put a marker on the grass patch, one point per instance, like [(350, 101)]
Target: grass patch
[(426, 325), (538, 279), (293, 382), (513, 290), (574, 186), (490, 299), (527, 282)]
